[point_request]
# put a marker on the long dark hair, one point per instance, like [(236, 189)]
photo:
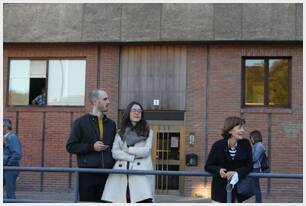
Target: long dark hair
[(230, 123), (141, 128)]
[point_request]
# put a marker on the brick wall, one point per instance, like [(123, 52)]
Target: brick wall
[(109, 76), (45, 145), (221, 89), (195, 113), (213, 93)]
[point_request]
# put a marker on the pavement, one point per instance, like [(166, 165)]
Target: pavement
[(68, 196)]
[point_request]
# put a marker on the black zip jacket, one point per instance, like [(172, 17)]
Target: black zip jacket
[(84, 133)]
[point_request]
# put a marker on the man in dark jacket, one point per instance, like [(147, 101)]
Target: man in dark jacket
[(91, 139)]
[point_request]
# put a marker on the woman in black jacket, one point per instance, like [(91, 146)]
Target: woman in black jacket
[(231, 154)]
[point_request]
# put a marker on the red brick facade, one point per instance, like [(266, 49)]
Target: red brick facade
[(213, 93)]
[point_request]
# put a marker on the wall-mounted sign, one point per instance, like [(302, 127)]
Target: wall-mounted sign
[(156, 102), (174, 143)]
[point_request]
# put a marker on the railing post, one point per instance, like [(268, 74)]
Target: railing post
[(229, 188), (76, 187)]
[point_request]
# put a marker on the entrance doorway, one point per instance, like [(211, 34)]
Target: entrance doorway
[(168, 153)]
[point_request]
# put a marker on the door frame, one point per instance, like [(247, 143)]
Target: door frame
[(179, 127)]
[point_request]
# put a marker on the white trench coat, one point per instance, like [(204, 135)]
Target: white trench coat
[(141, 186)]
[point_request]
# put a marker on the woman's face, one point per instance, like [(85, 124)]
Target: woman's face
[(135, 114), (252, 140), (237, 132)]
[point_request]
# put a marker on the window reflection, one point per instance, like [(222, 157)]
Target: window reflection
[(65, 78), (267, 82), (254, 82), (278, 82), (19, 82), (66, 82)]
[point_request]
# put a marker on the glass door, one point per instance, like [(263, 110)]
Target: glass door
[(168, 150)]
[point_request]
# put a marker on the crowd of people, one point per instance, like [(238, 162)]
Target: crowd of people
[(97, 143)]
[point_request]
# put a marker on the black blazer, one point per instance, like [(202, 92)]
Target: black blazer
[(219, 158)]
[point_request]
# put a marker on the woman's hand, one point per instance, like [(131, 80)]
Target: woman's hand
[(222, 173), (230, 174)]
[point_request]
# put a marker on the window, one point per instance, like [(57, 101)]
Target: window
[(266, 82), (62, 80)]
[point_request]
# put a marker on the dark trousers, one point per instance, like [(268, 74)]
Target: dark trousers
[(257, 190), (10, 183), (91, 186)]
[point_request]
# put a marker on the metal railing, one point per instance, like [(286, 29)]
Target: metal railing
[(229, 187), (139, 172)]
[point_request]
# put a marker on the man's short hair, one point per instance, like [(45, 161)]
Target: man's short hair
[(94, 94), (7, 123)]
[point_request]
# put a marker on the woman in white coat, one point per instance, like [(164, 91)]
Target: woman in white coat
[(131, 150)]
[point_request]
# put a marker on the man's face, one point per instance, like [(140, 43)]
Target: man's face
[(102, 102)]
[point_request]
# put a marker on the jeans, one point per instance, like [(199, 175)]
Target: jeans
[(10, 183), (257, 190)]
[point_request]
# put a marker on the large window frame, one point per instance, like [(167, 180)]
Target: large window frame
[(47, 59), (266, 81)]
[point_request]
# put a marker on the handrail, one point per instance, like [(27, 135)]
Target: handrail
[(139, 172), (102, 170), (146, 172)]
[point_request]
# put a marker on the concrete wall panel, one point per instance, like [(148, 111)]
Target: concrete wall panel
[(42, 22), (299, 21), (268, 22), (187, 22), (101, 22), (152, 22), (227, 21), (140, 22)]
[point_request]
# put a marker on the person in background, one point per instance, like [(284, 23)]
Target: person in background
[(91, 139), (40, 100), (229, 157), (258, 151), (132, 151), (11, 157)]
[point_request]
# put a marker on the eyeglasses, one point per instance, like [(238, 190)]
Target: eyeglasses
[(136, 110)]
